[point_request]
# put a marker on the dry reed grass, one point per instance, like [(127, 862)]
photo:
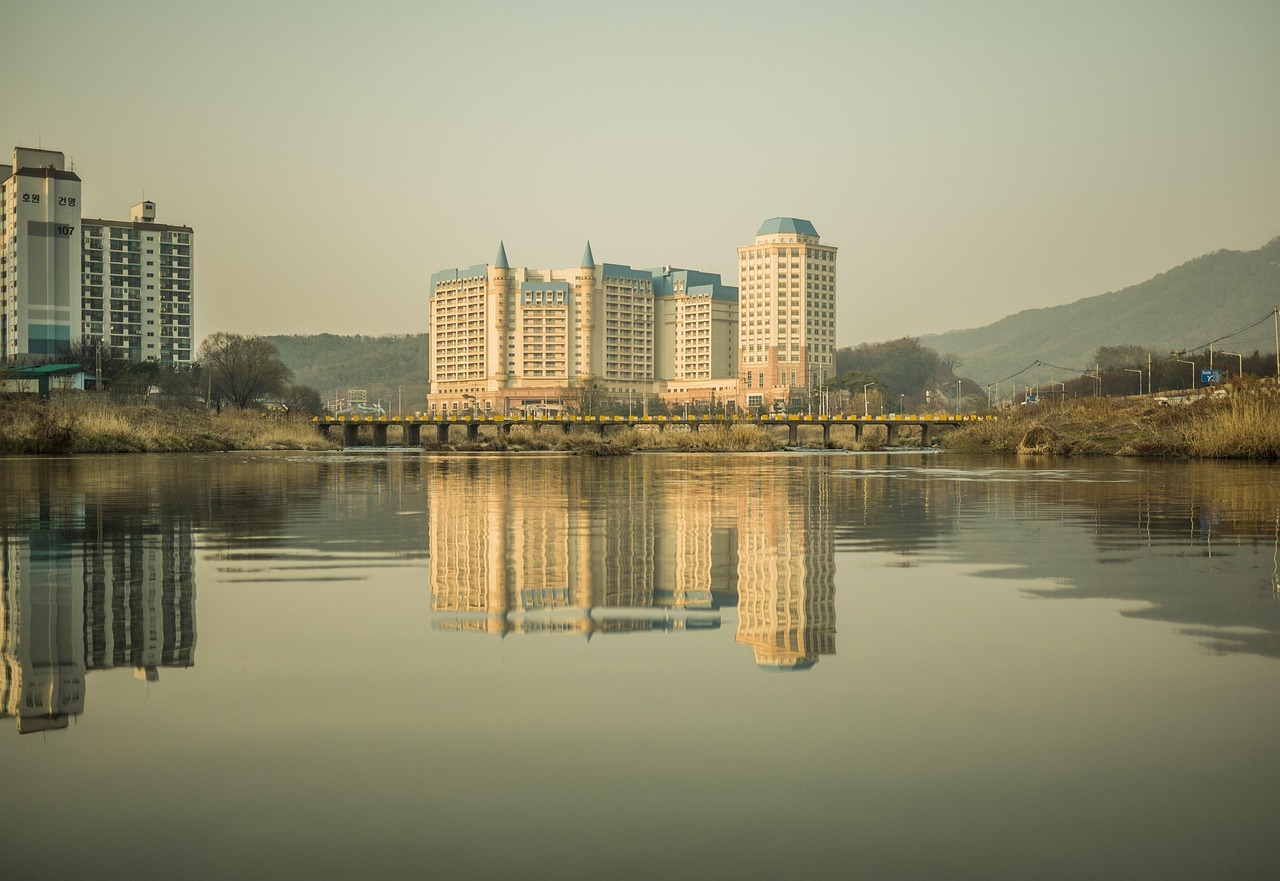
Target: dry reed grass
[(86, 424), (1244, 424)]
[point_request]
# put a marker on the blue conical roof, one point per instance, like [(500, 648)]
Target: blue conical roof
[(500, 262), (587, 260)]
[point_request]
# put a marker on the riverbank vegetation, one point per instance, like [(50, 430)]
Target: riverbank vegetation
[(1240, 423), (77, 423)]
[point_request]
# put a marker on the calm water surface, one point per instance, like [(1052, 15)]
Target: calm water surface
[(660, 666)]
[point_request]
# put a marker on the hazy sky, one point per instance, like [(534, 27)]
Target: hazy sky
[(970, 159)]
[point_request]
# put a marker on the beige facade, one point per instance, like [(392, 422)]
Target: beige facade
[(511, 340), (696, 327), (787, 313), (517, 340)]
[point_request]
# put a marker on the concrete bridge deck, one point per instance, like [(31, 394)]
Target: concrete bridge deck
[(412, 425)]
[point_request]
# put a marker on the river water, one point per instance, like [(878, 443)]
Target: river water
[(391, 664)]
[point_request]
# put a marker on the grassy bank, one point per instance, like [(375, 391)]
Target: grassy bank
[(87, 424), (1244, 424)]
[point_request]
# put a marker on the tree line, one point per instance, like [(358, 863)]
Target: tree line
[(232, 370)]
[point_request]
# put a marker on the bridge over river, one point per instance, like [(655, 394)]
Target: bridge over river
[(412, 425)]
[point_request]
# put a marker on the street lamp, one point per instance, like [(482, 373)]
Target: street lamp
[(958, 383), (1193, 367), (901, 404), (865, 408), (1137, 371), (1063, 394), (1241, 357)]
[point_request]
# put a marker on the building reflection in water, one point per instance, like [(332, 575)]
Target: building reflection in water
[(79, 597), (605, 547)]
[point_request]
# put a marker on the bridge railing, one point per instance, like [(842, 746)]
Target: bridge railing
[(769, 418)]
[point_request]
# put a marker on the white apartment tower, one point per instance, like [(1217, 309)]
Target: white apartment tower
[(137, 286), (787, 313), (39, 255)]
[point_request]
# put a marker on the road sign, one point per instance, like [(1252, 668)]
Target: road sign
[(1208, 376)]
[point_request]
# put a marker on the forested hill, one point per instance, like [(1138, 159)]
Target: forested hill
[(1183, 308), (387, 366)]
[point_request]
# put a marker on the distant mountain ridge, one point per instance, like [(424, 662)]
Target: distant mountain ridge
[(1183, 308)]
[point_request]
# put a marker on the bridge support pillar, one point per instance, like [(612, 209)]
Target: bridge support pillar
[(857, 431), (892, 437), (350, 433), (324, 428), (564, 427), (380, 434), (473, 432), (793, 435), (442, 433), (600, 428), (924, 434), (506, 429), (412, 434), (826, 434)]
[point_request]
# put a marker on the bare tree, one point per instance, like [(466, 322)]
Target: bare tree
[(97, 358), (303, 399), (584, 399), (243, 369)]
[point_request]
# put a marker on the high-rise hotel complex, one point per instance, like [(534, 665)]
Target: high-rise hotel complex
[(507, 340), (65, 278)]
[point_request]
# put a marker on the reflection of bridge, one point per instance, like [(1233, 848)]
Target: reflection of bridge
[(412, 425)]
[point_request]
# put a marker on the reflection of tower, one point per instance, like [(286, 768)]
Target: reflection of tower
[(786, 584), (499, 549), (139, 602), (42, 641), (697, 549), (467, 528), (78, 599), (623, 550)]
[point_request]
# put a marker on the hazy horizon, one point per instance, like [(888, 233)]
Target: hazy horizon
[(969, 162)]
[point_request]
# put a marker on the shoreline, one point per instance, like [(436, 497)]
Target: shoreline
[(1238, 422)]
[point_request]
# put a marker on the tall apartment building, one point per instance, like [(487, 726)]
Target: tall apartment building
[(64, 277), (137, 286), (39, 255), (508, 339), (787, 312)]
